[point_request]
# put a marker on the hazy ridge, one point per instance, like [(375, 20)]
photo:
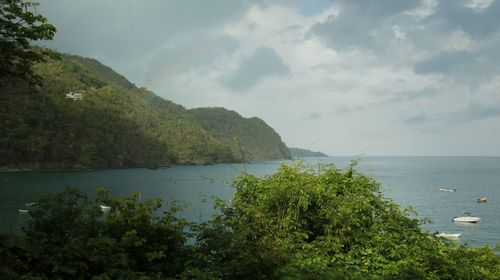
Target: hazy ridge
[(299, 152)]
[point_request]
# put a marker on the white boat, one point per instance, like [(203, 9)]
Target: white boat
[(23, 211), (466, 219), (482, 199), (105, 208), (449, 235), (447, 190), (29, 204)]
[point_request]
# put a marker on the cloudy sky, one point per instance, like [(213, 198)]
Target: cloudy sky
[(347, 77)]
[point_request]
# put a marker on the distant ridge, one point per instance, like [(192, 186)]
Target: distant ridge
[(298, 153)]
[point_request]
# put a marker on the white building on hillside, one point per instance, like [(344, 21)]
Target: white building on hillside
[(74, 95)]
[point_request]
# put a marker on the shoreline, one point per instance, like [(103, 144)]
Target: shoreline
[(6, 169)]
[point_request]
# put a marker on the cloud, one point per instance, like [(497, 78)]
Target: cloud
[(347, 110), (464, 66), (476, 112), (125, 33), (477, 22), (262, 64), (179, 57), (458, 39), (133, 23), (313, 116), (405, 96), (416, 119), (360, 24), (342, 110), (309, 8), (340, 33), (473, 112), (444, 63)]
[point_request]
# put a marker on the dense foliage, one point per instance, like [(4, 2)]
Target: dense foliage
[(299, 223), (115, 125), (70, 237), (249, 139), (20, 24)]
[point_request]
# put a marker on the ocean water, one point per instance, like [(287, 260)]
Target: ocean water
[(410, 181)]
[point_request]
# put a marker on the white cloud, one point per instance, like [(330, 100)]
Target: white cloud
[(264, 63)]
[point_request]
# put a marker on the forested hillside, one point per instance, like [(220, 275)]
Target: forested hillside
[(114, 125), (249, 139)]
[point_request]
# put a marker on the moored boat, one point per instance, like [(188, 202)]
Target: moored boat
[(466, 219), (449, 235), (482, 199)]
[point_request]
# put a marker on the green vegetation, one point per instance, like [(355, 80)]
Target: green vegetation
[(102, 71), (115, 125), (68, 236), (251, 138), (299, 153), (299, 223), (20, 24)]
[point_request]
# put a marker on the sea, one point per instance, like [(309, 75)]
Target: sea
[(410, 181)]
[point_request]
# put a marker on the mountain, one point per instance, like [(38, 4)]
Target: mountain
[(249, 139), (298, 153), (114, 125)]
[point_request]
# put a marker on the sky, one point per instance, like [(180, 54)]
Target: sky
[(346, 77)]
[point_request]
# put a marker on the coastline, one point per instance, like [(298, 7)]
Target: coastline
[(60, 167)]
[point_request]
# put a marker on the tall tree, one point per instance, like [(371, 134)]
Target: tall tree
[(19, 25)]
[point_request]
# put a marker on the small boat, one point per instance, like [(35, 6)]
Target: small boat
[(105, 208), (23, 211), (447, 190), (449, 235), (482, 199), (466, 219), (29, 204)]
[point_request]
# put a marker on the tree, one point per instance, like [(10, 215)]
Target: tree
[(20, 24)]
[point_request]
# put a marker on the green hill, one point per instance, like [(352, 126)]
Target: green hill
[(115, 125), (252, 137), (104, 72), (298, 153)]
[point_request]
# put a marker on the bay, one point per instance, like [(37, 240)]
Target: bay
[(410, 181)]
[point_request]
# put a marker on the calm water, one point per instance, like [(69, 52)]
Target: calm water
[(410, 181)]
